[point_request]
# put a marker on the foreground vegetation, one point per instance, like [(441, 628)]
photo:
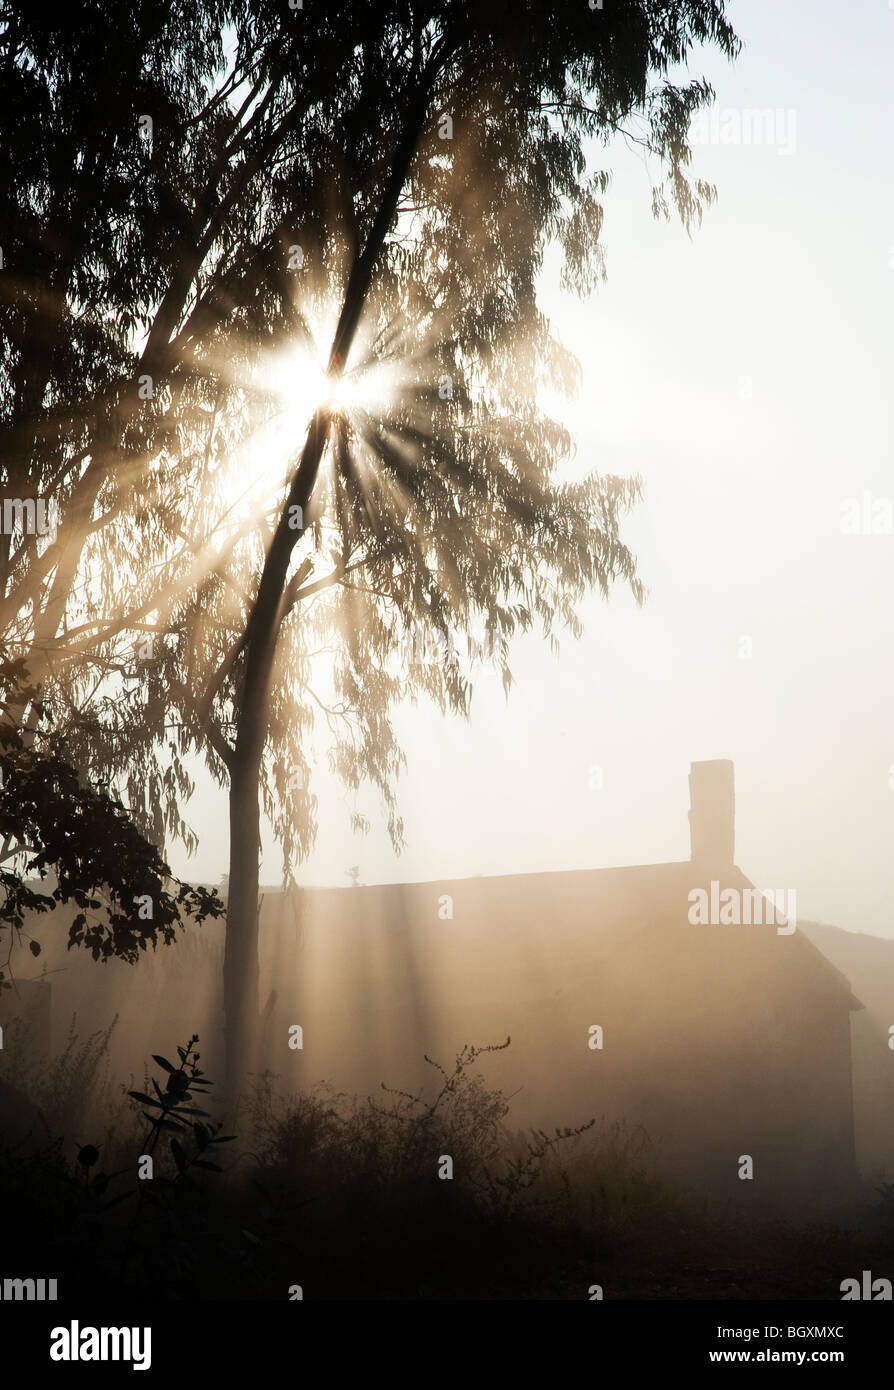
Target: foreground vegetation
[(343, 1197)]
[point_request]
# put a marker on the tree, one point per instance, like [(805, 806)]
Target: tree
[(179, 267), (532, 86), (153, 168)]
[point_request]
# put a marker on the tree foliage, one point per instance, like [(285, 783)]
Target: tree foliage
[(442, 511), (84, 842)]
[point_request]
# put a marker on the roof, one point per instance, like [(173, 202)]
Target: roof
[(544, 926)]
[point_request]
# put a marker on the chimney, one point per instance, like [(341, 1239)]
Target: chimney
[(712, 813)]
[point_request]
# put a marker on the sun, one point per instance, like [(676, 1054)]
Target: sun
[(294, 384), (301, 386)]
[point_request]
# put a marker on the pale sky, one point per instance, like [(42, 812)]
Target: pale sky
[(746, 375)]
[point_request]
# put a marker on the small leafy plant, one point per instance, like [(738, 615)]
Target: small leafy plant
[(193, 1137), (174, 1110)]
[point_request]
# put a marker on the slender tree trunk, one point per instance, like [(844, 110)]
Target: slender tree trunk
[(241, 963), (241, 968)]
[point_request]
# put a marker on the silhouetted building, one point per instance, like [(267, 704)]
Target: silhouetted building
[(724, 1038)]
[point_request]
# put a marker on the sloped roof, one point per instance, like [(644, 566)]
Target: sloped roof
[(538, 924)]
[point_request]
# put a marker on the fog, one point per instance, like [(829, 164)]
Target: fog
[(733, 735)]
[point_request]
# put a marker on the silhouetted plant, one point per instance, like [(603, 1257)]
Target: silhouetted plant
[(72, 1089), (463, 1111), (172, 1109), (94, 1204)]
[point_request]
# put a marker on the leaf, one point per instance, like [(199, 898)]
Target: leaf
[(34, 947), (179, 1155), (163, 1062), (168, 1124), (144, 1099)]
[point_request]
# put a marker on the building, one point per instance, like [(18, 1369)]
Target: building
[(722, 1039)]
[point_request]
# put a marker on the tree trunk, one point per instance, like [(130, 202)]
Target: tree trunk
[(241, 970), (241, 967), (241, 964)]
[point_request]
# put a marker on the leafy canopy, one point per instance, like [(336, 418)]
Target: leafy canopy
[(441, 510)]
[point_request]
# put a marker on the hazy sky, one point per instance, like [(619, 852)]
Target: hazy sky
[(746, 375)]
